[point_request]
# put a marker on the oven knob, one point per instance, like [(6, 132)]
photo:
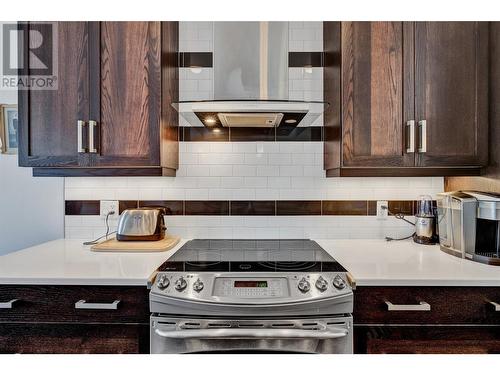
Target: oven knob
[(304, 285), (321, 284), (198, 286), (338, 282), (163, 282), (180, 284)]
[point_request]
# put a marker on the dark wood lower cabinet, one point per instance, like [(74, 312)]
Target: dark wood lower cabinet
[(426, 339), (74, 319), (458, 320), (57, 338)]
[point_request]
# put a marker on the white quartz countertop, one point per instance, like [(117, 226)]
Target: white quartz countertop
[(69, 262), (405, 263), (371, 262)]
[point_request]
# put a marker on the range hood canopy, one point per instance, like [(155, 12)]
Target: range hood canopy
[(239, 113), (250, 81)]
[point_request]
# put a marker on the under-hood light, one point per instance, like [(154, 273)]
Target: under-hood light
[(210, 121)]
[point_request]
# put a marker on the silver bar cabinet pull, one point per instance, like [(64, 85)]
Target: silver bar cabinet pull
[(9, 304), (422, 127), (82, 304), (495, 305), (410, 129), (80, 125), (422, 306), (92, 127)]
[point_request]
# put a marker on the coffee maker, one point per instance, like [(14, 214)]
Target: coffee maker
[(425, 221), (469, 225)]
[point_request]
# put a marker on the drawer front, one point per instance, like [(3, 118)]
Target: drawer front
[(106, 304), (426, 305), (441, 339), (73, 338)]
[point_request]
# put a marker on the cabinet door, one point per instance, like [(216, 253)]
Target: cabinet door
[(426, 339), (48, 118), (451, 93), (128, 113), (376, 93)]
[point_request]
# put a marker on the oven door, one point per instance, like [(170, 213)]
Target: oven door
[(182, 335)]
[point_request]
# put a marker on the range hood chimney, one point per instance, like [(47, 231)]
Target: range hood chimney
[(250, 80)]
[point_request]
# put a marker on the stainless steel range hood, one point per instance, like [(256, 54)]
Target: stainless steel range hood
[(250, 80)]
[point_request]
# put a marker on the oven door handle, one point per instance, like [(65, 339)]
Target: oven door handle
[(260, 333)]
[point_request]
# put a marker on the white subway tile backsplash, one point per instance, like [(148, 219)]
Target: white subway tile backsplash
[(243, 194), (267, 170), (244, 170), (233, 182), (291, 147), (252, 170), (196, 194), (220, 170), (256, 159), (291, 170), (173, 194), (197, 170), (279, 182), (280, 159), (267, 194), (209, 182), (220, 147), (255, 182), (303, 159)]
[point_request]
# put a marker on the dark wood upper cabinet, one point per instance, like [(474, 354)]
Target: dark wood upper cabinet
[(128, 118), (451, 92), (413, 100), (112, 76), (48, 118), (374, 67)]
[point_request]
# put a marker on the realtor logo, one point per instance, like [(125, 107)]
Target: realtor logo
[(29, 56)]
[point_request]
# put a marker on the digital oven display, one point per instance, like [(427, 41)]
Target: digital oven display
[(250, 284)]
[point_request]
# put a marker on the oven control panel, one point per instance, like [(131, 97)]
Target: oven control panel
[(248, 287)]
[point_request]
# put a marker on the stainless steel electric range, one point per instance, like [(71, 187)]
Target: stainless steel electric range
[(251, 296)]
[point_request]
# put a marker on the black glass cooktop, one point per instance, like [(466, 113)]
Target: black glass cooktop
[(252, 256)]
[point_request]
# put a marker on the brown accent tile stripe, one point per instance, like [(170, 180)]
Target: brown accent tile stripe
[(295, 59), (372, 208), (305, 59), (298, 208), (403, 207), (299, 134), (252, 134), (206, 208), (345, 208), (82, 207), (172, 207), (195, 59), (202, 134), (264, 208), (282, 133), (251, 207), (123, 205)]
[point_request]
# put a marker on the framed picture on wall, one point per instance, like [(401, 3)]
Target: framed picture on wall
[(8, 129)]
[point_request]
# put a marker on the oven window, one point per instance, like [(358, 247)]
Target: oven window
[(250, 284)]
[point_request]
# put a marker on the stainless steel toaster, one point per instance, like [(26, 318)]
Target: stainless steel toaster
[(141, 224)]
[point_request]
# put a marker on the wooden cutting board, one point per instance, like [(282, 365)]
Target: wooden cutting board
[(113, 245)]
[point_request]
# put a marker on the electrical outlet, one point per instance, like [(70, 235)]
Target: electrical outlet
[(108, 206), (382, 210)]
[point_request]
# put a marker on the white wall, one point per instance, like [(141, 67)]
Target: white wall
[(31, 209)]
